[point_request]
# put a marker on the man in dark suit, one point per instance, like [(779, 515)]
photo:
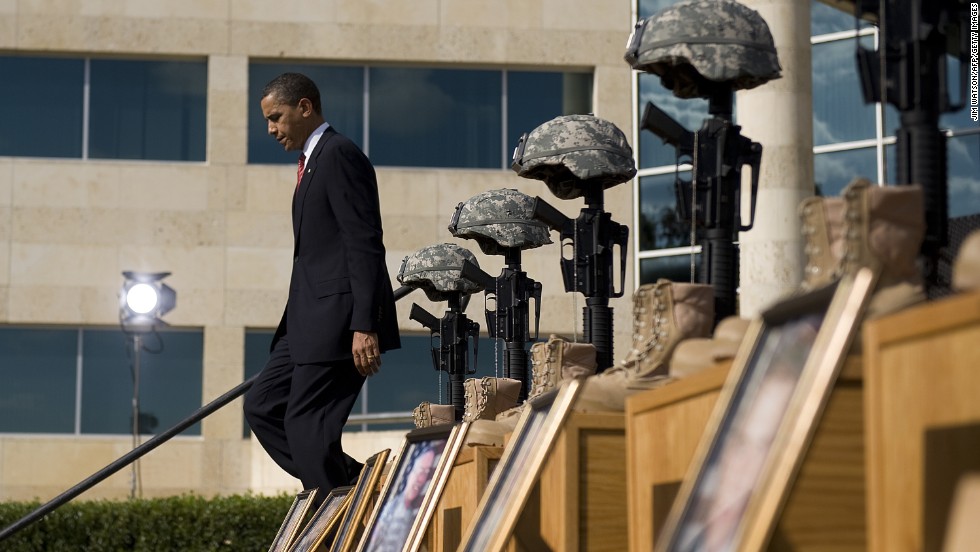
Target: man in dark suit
[(340, 313)]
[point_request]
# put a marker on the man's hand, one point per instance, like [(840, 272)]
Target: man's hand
[(367, 355)]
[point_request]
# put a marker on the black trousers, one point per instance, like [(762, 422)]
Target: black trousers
[(298, 412)]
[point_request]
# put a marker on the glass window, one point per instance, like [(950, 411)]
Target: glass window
[(137, 109), (650, 7), (257, 344), (41, 397), (341, 98), (833, 171), (825, 19), (535, 97), (676, 268), (148, 110), (660, 224), (37, 380), (426, 117), (963, 174), (839, 111), (170, 380), (38, 90), (435, 117), (963, 155), (690, 113)]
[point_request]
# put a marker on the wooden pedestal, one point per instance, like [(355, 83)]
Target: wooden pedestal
[(578, 502), (461, 495), (923, 411), (825, 507), (663, 428)]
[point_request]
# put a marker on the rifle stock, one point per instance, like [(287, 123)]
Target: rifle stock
[(667, 128), (424, 317), (555, 219)]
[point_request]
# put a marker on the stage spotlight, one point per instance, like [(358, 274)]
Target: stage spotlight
[(144, 298)]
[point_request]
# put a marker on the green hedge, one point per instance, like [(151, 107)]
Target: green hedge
[(186, 523)]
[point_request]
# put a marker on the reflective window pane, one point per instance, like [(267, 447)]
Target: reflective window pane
[(676, 268), (37, 380), (148, 110), (963, 155), (825, 19), (41, 89), (341, 98), (406, 379), (839, 111), (691, 113), (660, 224), (963, 174), (257, 344), (535, 97), (170, 381), (650, 7), (833, 171), (435, 117)]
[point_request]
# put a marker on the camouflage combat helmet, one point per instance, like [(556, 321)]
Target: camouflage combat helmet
[(573, 152), (436, 270), (498, 220), (718, 40)]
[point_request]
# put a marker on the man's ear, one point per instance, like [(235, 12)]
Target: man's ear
[(306, 107)]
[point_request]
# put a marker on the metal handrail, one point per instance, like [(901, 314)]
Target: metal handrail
[(159, 439)]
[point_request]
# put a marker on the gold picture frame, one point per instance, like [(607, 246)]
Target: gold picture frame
[(361, 496), (764, 419), (293, 521), (519, 468), (324, 522), (414, 485)]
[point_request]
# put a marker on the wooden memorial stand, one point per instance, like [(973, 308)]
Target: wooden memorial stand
[(923, 412), (825, 507), (578, 502), (464, 488)]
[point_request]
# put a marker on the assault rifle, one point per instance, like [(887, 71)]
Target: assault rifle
[(449, 341), (711, 199), (910, 71), (592, 237), (509, 318)]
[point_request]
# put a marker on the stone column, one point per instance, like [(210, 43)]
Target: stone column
[(778, 115)]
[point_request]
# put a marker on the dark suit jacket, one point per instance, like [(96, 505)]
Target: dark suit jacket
[(339, 280)]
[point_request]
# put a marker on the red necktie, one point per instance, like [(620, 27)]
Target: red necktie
[(299, 170)]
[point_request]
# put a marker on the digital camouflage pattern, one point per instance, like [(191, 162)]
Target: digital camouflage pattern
[(718, 40), (498, 220), (571, 153), (436, 271)]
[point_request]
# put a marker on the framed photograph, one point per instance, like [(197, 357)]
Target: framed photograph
[(293, 521), (361, 495), (765, 416), (315, 536), (413, 486), (518, 469)]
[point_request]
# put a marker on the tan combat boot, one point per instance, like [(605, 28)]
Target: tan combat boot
[(694, 355), (428, 414), (559, 359), (885, 228), (823, 231), (966, 266), (665, 313), (486, 397)]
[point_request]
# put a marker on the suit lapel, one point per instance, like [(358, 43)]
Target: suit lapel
[(304, 184)]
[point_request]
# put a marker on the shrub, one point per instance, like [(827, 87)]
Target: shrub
[(187, 523)]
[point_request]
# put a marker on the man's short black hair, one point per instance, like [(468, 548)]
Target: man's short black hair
[(290, 88)]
